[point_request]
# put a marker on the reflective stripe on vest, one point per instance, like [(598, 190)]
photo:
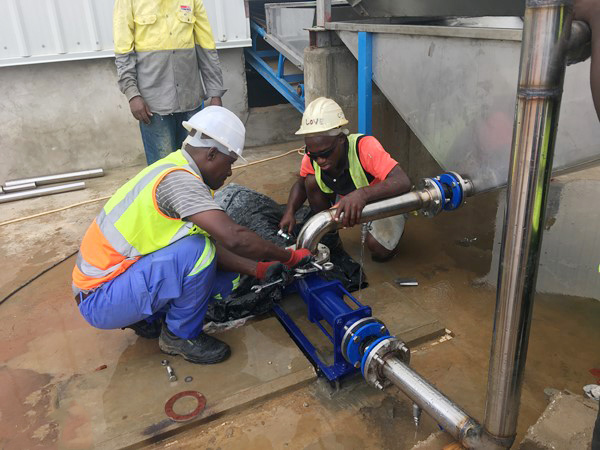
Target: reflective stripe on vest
[(357, 173), (207, 256), (130, 225)]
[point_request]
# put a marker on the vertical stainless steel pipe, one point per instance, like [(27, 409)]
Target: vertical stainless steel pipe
[(546, 32)]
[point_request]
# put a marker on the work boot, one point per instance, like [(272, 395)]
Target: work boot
[(205, 349), (147, 330)]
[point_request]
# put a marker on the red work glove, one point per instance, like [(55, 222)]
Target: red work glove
[(269, 270), (299, 257)]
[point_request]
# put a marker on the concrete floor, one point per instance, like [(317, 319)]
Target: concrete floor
[(45, 343)]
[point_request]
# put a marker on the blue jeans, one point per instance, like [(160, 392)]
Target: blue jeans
[(166, 282), (164, 134)]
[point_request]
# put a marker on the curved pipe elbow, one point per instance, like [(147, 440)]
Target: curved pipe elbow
[(318, 225), (314, 230), (430, 195)]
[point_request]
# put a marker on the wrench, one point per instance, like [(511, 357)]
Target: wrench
[(259, 287), (325, 266)]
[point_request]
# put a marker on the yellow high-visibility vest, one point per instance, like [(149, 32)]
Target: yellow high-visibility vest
[(131, 225), (357, 173)]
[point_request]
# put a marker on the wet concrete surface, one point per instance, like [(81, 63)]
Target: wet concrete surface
[(567, 422), (53, 395), (30, 246), (570, 254), (449, 255)]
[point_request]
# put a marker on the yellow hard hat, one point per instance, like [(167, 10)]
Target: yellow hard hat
[(322, 114)]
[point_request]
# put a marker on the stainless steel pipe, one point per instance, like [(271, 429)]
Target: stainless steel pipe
[(443, 410), (19, 187), (546, 32), (428, 197), (42, 191), (323, 222), (59, 178)]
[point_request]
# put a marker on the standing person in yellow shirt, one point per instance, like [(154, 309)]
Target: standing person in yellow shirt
[(167, 65)]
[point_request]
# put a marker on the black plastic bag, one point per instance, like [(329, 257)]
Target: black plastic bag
[(262, 214)]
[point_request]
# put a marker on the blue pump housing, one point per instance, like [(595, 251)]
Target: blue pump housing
[(325, 301)]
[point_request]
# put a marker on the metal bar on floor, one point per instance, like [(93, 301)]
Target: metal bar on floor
[(20, 187), (365, 82), (42, 191), (58, 178)]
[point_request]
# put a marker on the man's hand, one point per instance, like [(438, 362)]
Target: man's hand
[(216, 101), (140, 109), (351, 205), (288, 222), (299, 257), (270, 271)]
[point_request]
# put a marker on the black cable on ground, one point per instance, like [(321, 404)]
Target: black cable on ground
[(31, 280)]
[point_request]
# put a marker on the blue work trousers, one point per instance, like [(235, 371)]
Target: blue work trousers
[(167, 282), (164, 134)]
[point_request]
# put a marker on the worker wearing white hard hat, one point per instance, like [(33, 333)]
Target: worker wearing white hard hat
[(161, 248), (348, 171), (222, 128)]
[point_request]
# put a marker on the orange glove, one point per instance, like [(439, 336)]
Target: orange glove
[(266, 270), (299, 257)]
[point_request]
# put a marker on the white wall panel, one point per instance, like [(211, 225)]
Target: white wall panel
[(38, 31)]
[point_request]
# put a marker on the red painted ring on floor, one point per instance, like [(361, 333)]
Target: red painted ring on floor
[(184, 417)]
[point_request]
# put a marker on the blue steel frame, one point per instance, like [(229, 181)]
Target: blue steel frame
[(277, 79), (365, 82), (325, 301)]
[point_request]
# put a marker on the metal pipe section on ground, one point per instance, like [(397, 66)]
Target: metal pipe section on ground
[(59, 178), (19, 187), (443, 410), (546, 33), (42, 191)]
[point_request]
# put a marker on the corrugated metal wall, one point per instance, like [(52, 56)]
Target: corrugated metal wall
[(38, 31)]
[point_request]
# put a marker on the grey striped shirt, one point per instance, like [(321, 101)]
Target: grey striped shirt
[(181, 195)]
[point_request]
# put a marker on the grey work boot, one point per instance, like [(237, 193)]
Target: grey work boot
[(205, 349)]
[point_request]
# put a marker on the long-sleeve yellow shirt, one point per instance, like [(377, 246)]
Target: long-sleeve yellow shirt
[(166, 53)]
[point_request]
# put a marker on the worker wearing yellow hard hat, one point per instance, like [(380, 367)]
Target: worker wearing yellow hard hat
[(349, 171)]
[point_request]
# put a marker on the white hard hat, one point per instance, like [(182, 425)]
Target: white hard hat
[(321, 115), (222, 126)]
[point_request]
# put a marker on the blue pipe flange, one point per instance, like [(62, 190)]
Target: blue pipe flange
[(453, 184), (375, 356), (369, 349), (466, 186), (436, 193), (355, 336)]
